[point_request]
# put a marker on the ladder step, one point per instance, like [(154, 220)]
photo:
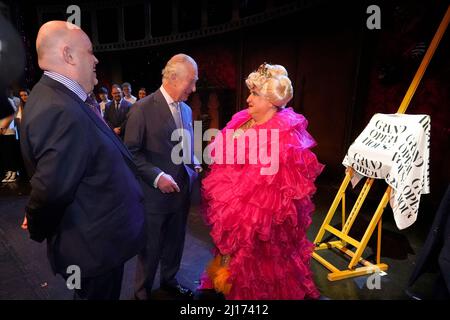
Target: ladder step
[(342, 236), (333, 276), (325, 263)]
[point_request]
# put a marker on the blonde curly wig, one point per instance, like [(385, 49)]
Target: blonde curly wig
[(272, 82)]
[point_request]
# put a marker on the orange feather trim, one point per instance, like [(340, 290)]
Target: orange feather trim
[(219, 275)]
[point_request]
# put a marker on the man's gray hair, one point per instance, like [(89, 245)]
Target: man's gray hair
[(173, 65)]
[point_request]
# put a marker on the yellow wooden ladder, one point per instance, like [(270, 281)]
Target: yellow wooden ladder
[(347, 222)]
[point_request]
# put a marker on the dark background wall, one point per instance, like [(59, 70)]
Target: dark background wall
[(342, 72)]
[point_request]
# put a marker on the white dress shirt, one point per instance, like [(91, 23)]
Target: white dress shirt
[(132, 99), (103, 106)]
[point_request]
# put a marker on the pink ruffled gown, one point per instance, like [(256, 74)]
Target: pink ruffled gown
[(261, 220)]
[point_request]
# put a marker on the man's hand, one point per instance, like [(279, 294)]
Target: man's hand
[(24, 225), (117, 130), (167, 185)]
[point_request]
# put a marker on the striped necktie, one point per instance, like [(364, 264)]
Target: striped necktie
[(91, 103), (177, 115)]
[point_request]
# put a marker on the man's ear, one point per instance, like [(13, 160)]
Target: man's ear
[(67, 55)]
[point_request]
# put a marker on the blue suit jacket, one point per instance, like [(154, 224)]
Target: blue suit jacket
[(117, 118), (86, 199)]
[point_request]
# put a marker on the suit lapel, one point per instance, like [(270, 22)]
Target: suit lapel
[(121, 108), (97, 121), (116, 113), (164, 111), (187, 123), (105, 129)]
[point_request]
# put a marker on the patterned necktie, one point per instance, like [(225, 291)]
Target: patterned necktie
[(91, 103)]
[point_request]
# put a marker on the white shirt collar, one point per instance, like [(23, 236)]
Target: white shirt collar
[(168, 98), (70, 84)]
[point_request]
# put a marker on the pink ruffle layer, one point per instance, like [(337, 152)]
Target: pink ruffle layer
[(261, 220)]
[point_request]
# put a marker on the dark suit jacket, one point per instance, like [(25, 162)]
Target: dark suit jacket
[(117, 118), (436, 250), (148, 136), (85, 198)]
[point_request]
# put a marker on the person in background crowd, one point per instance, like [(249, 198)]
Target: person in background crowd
[(10, 159), (126, 88), (103, 96), (116, 111), (142, 93)]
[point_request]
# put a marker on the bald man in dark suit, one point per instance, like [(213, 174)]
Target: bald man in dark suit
[(85, 199)]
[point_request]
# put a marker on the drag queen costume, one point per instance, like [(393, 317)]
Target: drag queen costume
[(259, 217)]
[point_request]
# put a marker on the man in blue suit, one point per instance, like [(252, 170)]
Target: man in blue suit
[(116, 111), (87, 207), (166, 181)]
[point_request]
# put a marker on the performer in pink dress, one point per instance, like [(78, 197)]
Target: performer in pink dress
[(260, 209)]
